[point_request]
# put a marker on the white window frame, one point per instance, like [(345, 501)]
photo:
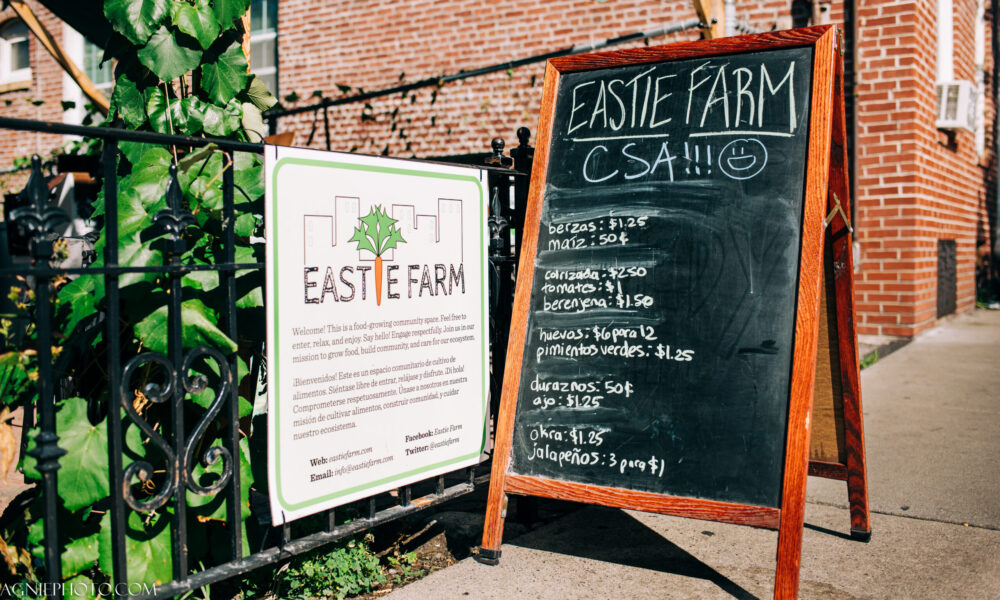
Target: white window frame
[(264, 36), (945, 41), (106, 87), (10, 77), (73, 43)]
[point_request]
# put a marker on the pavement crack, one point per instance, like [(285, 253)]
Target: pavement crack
[(907, 515)]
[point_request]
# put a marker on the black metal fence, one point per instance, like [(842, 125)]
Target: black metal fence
[(160, 485)]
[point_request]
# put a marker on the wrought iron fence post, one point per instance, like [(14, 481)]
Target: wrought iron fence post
[(501, 286), (523, 156), (174, 220), (39, 219), (525, 507), (109, 163), (234, 509)]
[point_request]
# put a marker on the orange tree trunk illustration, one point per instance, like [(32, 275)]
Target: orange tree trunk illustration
[(378, 281)]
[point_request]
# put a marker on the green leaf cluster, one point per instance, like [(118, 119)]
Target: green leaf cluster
[(181, 68), (348, 570), (377, 233)]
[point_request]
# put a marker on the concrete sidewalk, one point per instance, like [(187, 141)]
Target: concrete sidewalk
[(932, 424)]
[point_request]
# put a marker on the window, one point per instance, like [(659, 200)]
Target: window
[(264, 42), (945, 42), (101, 75), (15, 61), (87, 57)]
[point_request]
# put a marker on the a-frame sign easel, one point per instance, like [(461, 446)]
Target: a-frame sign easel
[(824, 248)]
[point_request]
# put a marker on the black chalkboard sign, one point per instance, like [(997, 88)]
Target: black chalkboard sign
[(660, 330), (664, 338)]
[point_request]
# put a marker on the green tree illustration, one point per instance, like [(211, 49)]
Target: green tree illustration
[(376, 234)]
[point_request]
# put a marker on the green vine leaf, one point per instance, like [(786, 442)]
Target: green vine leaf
[(205, 193), (225, 75), (194, 111), (197, 21), (248, 175), (148, 549), (167, 57), (133, 151), (227, 11), (222, 121), (258, 93), (204, 281), (208, 507), (246, 224), (130, 102), (80, 297), (80, 587), (133, 252), (136, 19), (148, 180), (132, 215), (253, 122), (199, 328), (80, 554), (166, 115), (83, 473)]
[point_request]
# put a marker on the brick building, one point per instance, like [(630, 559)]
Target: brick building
[(923, 186)]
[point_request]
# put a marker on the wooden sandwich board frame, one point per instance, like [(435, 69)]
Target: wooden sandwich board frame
[(825, 189), (837, 444)]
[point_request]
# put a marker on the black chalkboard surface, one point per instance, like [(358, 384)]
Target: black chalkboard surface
[(660, 333)]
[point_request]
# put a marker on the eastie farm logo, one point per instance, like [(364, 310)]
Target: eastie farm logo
[(398, 255), (377, 233)]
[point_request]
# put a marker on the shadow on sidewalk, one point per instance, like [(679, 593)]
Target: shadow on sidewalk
[(610, 535)]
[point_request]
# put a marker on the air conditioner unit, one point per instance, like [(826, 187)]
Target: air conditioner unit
[(956, 103)]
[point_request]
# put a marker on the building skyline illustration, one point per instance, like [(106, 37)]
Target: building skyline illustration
[(439, 234)]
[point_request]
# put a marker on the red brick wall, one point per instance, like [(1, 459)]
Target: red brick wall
[(379, 44), (46, 85), (915, 184)]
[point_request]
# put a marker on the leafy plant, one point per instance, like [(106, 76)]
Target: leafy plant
[(869, 360), (180, 70), (349, 570), (402, 568)]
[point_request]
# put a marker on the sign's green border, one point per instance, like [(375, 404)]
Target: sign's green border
[(273, 312)]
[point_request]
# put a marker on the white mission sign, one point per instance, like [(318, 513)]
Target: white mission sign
[(377, 344)]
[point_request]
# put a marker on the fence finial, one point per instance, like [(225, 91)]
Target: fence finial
[(497, 159), (36, 216), (524, 153), (175, 218)]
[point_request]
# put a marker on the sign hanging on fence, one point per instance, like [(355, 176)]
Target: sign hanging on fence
[(377, 342)]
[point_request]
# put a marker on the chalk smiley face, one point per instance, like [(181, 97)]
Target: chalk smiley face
[(743, 158)]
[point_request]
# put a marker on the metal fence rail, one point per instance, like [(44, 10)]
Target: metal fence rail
[(172, 476)]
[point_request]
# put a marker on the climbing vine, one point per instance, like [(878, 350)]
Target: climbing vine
[(180, 69)]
